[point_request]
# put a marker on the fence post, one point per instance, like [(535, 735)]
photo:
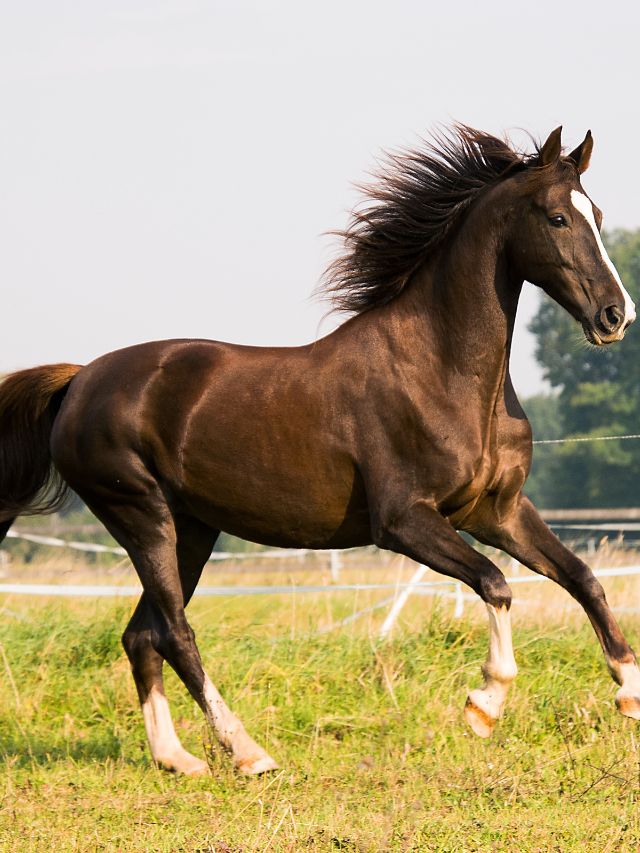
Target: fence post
[(336, 565), (459, 608), (400, 601)]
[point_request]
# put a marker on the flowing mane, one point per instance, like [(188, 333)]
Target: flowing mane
[(417, 198)]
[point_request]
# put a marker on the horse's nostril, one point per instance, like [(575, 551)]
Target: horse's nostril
[(614, 316), (610, 319)]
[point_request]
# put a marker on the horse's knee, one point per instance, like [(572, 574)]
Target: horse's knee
[(495, 590), (137, 637), (131, 642), (594, 589), (176, 641), (586, 588), (140, 650)]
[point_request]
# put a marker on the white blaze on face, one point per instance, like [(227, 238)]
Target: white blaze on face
[(584, 206)]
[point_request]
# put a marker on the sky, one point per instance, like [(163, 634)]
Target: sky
[(170, 168)]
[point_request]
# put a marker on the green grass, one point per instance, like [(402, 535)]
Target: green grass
[(370, 737)]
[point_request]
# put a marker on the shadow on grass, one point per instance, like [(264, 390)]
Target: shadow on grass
[(23, 752)]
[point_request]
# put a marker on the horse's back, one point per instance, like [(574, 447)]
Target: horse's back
[(112, 395), (242, 437)]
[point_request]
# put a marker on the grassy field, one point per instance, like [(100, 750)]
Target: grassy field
[(374, 752)]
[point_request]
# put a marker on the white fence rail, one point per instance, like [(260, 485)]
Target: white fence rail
[(401, 590), (94, 548)]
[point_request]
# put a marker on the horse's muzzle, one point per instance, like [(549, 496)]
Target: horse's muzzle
[(608, 326)]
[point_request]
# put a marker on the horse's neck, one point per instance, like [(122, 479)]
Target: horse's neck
[(461, 306)]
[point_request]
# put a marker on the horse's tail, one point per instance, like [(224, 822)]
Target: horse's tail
[(29, 403)]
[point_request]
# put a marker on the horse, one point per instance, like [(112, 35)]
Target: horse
[(398, 429)]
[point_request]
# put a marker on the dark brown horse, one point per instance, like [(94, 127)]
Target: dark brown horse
[(399, 428)]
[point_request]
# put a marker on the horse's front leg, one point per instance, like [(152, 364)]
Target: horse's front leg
[(424, 535), (524, 535)]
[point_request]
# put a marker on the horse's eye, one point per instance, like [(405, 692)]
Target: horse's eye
[(558, 221)]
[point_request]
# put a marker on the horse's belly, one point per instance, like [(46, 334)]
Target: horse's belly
[(281, 508)]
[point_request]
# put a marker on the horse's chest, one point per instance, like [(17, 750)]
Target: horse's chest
[(475, 472), (494, 473)]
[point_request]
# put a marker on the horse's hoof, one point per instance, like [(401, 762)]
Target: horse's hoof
[(195, 769), (255, 766), (185, 764), (628, 704), (481, 721)]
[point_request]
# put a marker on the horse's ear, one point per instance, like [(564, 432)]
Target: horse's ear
[(550, 151), (581, 155)]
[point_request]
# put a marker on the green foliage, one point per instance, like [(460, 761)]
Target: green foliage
[(543, 412), (597, 393)]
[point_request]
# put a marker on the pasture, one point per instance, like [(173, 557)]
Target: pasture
[(373, 750)]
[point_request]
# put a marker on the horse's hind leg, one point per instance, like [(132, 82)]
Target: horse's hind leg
[(146, 667), (195, 542), (147, 530)]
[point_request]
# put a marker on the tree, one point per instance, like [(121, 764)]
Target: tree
[(544, 414), (597, 394)]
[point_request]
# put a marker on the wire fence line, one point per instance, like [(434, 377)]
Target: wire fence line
[(585, 438)]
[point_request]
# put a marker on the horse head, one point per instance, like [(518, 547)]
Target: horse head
[(555, 243)]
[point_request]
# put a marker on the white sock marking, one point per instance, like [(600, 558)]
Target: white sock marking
[(628, 695), (628, 675), (223, 721), (500, 667), (500, 663), (161, 734), (247, 755), (583, 205), (167, 750)]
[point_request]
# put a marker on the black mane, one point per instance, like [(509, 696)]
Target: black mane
[(417, 198)]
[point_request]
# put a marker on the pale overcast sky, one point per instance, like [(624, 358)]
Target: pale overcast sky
[(167, 169)]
